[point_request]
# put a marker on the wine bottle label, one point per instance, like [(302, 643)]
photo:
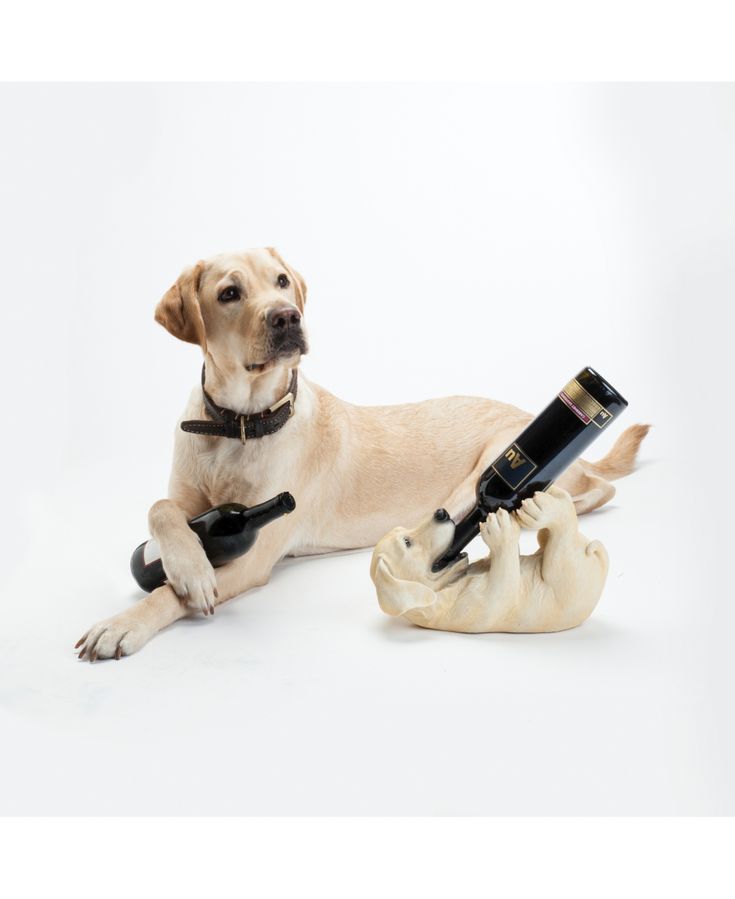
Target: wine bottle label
[(514, 466), (151, 552), (584, 406)]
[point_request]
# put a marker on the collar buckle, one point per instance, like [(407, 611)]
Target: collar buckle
[(289, 398), (282, 402)]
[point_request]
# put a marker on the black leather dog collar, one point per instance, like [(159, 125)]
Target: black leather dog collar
[(226, 423)]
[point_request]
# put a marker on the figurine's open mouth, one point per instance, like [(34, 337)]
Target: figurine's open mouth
[(460, 563), (461, 560)]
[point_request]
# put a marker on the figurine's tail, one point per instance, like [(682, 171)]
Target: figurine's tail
[(620, 461)]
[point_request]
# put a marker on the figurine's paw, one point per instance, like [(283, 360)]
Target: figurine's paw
[(500, 531), (115, 637), (544, 510), (191, 576)]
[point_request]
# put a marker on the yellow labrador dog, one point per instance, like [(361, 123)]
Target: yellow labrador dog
[(554, 589), (257, 427)]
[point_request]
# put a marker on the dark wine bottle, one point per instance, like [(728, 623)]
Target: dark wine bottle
[(225, 532), (549, 445)]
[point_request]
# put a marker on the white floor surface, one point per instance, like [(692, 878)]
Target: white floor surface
[(303, 698)]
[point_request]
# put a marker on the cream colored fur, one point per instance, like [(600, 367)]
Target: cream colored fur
[(354, 471), (554, 589)]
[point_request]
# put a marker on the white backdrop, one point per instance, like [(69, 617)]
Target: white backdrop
[(455, 239)]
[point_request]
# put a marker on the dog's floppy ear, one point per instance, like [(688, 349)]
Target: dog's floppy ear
[(298, 281), (397, 596), (178, 310)]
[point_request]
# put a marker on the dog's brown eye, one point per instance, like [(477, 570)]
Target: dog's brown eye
[(229, 295), (283, 281), (407, 542)]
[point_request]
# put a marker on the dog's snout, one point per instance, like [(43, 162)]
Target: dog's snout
[(441, 515), (283, 317)]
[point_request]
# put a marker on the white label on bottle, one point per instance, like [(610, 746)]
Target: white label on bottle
[(151, 552)]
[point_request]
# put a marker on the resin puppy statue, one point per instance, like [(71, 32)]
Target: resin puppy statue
[(554, 589)]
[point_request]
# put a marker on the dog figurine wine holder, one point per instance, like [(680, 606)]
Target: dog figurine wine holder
[(554, 589)]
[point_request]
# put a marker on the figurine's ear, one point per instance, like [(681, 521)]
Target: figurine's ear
[(397, 596), (179, 311), (298, 282)]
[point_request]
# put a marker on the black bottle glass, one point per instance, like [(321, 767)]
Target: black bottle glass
[(226, 532), (549, 445)]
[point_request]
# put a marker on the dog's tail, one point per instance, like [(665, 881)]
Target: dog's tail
[(620, 461)]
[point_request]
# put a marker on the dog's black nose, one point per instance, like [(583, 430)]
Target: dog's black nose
[(283, 317), (441, 515)]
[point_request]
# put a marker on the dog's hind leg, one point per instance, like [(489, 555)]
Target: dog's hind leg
[(588, 491), (586, 482)]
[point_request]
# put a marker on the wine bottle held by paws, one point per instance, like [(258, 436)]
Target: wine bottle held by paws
[(225, 532), (554, 439)]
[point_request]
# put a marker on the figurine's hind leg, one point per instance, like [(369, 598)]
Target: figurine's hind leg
[(553, 515), (573, 568)]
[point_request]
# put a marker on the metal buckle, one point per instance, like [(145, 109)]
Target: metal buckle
[(274, 408), (286, 399)]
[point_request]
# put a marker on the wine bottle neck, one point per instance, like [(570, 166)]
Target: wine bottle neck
[(469, 527), (262, 514)]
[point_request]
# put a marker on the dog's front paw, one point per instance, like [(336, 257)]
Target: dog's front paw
[(544, 510), (500, 531), (191, 576), (115, 637)]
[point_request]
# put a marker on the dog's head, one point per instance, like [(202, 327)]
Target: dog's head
[(401, 565), (245, 310)]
